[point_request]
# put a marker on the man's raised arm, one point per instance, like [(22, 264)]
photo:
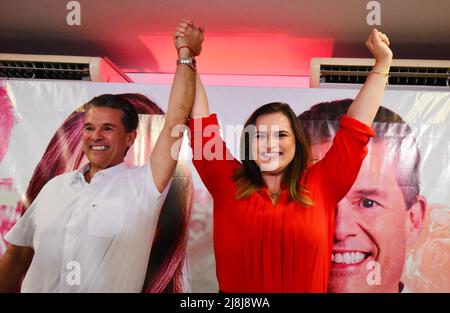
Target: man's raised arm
[(188, 40)]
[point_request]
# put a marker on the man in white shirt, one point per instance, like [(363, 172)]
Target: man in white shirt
[(91, 230)]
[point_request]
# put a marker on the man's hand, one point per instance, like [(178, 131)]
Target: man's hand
[(187, 34), (378, 45)]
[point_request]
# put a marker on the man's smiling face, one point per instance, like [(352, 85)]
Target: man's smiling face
[(104, 137)]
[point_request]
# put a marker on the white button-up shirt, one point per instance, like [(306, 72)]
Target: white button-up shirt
[(92, 237)]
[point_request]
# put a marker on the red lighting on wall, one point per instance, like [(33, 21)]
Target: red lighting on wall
[(254, 58)]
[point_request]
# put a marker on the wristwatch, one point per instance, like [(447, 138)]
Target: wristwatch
[(188, 61)]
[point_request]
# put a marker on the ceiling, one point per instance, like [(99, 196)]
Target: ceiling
[(254, 37)]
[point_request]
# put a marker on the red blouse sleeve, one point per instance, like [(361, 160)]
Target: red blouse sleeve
[(340, 166), (214, 162)]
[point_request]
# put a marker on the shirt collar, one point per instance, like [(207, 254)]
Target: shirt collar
[(107, 172)]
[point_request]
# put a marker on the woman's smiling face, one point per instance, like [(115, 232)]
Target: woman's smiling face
[(273, 145)]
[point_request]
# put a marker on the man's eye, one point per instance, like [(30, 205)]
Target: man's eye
[(368, 203)]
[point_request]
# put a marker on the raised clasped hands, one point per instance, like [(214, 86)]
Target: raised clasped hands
[(188, 38)]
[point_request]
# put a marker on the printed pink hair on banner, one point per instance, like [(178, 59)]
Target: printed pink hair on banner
[(6, 120), (9, 201)]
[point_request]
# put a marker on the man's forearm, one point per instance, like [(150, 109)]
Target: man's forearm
[(13, 265), (163, 159), (182, 94)]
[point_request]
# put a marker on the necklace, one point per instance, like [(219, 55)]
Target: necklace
[(274, 196)]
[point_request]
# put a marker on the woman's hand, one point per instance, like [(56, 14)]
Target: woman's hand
[(366, 104), (378, 45)]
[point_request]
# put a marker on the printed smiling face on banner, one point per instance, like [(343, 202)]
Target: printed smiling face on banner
[(383, 214), (373, 224)]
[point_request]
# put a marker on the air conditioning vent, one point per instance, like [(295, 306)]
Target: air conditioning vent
[(41, 70), (26, 66), (402, 72)]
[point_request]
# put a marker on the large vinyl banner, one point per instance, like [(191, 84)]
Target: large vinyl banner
[(392, 230)]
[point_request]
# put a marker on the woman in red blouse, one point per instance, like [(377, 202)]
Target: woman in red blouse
[(274, 214)]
